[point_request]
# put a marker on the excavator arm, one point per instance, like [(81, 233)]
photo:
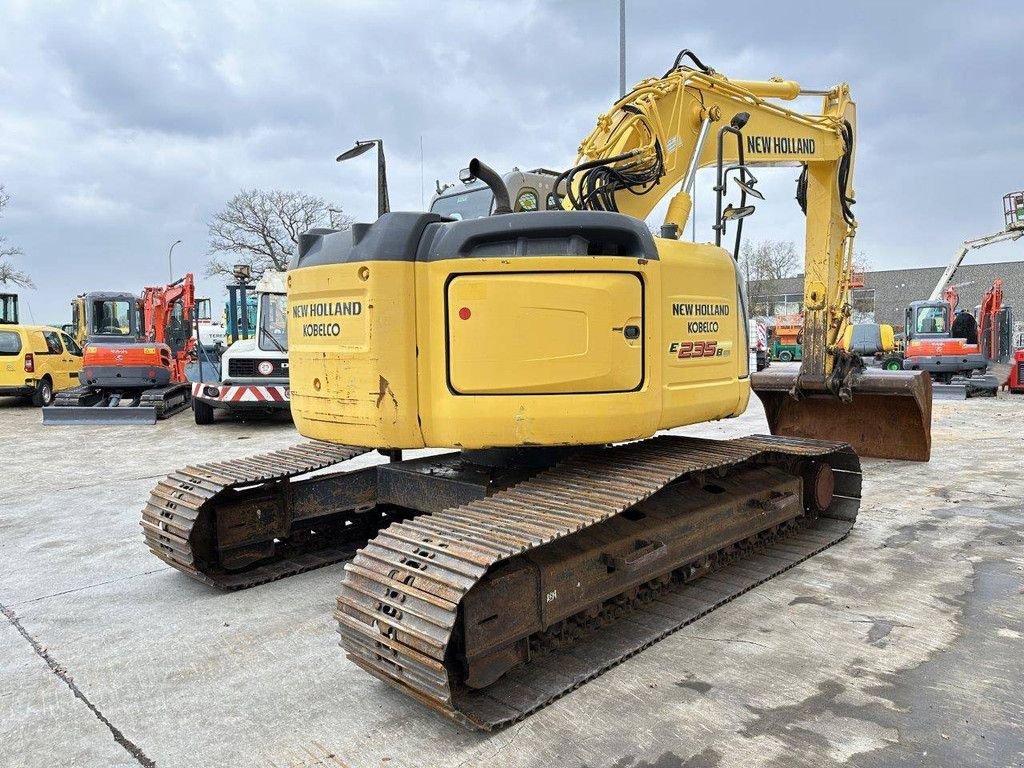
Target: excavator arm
[(653, 141), (164, 325)]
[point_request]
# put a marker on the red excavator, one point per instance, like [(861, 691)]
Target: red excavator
[(136, 349), (956, 355)]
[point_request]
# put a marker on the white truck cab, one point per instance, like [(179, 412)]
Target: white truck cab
[(254, 371)]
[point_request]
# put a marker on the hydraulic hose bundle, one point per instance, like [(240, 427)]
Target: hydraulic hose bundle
[(601, 179)]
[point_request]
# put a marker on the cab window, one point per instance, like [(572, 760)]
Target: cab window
[(112, 318), (526, 200), (53, 343), (204, 310), (10, 342), (72, 345), (474, 204), (931, 320)]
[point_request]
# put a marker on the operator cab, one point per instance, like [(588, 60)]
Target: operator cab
[(111, 316), (527, 190), (927, 319)]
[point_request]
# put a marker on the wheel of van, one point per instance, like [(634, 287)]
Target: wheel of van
[(44, 393), (786, 356), (892, 364), (203, 412)]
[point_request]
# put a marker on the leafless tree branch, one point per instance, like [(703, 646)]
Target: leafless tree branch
[(8, 273), (262, 228), (764, 265)]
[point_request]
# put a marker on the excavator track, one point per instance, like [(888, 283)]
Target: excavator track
[(167, 401), (410, 610), (186, 520), (79, 396)]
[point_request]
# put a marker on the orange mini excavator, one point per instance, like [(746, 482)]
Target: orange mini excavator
[(133, 369)]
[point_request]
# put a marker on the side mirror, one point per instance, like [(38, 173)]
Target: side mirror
[(748, 186), (733, 214)]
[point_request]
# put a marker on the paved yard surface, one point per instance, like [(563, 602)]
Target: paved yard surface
[(903, 645)]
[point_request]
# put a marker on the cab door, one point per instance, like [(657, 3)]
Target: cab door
[(57, 364), (73, 358)]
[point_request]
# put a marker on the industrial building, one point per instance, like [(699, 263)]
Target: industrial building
[(885, 294)]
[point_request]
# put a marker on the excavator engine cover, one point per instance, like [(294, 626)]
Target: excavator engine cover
[(889, 415)]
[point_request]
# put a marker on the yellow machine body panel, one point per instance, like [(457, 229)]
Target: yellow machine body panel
[(545, 333), (542, 348), (351, 347)]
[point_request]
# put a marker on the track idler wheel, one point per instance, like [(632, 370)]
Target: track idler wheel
[(819, 486)]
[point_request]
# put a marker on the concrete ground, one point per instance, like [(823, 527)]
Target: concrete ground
[(903, 645)]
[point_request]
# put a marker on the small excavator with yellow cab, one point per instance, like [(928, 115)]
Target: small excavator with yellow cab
[(559, 536)]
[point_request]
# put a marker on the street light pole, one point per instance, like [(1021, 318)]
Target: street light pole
[(622, 48), (383, 204), (170, 268)]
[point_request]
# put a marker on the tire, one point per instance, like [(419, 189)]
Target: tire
[(892, 364), (786, 356), (203, 412), (44, 394)]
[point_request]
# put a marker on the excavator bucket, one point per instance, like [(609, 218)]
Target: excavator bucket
[(888, 417)]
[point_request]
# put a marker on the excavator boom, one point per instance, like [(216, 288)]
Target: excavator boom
[(657, 136)]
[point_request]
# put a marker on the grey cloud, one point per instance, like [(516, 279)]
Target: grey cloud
[(126, 126)]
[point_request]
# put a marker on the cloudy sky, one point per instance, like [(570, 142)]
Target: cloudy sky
[(125, 126)]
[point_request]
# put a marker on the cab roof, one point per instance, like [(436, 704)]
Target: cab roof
[(24, 327)]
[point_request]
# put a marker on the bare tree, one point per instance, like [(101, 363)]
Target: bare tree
[(861, 262), (261, 228), (8, 272), (764, 265)]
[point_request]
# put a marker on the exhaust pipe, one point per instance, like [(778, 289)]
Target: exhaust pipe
[(489, 176)]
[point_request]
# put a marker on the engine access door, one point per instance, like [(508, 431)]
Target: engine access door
[(545, 333)]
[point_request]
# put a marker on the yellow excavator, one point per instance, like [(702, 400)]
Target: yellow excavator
[(546, 349)]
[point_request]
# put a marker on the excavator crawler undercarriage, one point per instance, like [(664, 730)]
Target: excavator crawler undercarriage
[(491, 590), (490, 610)]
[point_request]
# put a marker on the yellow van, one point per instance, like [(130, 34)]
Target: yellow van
[(37, 361)]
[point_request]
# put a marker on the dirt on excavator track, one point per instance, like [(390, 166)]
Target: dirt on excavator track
[(403, 606)]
